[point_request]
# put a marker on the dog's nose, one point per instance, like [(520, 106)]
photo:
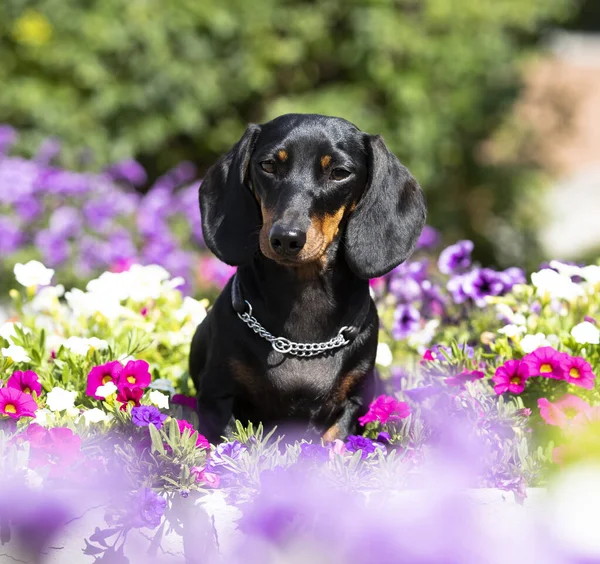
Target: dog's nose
[(287, 242)]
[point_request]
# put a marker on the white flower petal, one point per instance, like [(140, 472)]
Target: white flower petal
[(59, 399), (33, 273), (159, 399), (586, 333)]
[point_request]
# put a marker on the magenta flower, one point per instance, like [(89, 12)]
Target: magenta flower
[(546, 362), (578, 371), (463, 377), (16, 404), (27, 382), (187, 401), (511, 377), (201, 441), (384, 409), (209, 479), (135, 374), (129, 396), (101, 375), (562, 411)]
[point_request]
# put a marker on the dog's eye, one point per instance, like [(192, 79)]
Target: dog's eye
[(268, 166), (339, 174)]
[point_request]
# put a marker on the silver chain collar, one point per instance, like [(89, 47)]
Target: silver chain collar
[(285, 346)]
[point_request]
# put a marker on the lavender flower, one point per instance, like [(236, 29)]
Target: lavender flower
[(313, 452), (456, 258), (11, 236), (357, 442), (483, 282), (230, 450), (145, 415), (148, 509)]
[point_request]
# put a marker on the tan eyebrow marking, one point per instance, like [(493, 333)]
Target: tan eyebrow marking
[(325, 160), (282, 155)]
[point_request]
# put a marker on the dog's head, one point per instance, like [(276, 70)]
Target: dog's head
[(300, 185)]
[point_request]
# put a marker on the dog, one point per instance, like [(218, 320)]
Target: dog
[(309, 208)]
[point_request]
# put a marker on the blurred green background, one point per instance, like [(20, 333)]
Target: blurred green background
[(164, 81)]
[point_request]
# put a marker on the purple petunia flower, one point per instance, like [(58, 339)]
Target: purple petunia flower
[(66, 221), (49, 150), (405, 289), (429, 238), (456, 258), (128, 170), (144, 415), (406, 321), (8, 135), (481, 283), (314, 452), (147, 509), (11, 236), (55, 249), (355, 443)]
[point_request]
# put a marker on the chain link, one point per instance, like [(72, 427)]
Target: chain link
[(285, 346)]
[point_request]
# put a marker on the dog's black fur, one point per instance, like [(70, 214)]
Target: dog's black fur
[(309, 208)]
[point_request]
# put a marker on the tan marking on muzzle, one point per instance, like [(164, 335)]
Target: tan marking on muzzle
[(282, 155)]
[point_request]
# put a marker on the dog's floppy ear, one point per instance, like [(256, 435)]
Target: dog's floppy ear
[(231, 218), (384, 227)]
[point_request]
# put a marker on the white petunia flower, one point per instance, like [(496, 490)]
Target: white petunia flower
[(512, 331), (174, 283), (550, 283), (566, 269), (34, 273), (46, 299), (384, 355), (95, 415), (87, 304), (16, 353), (159, 399), (7, 331), (106, 390), (81, 346), (43, 417), (195, 310), (59, 399), (586, 333), (591, 273), (530, 343)]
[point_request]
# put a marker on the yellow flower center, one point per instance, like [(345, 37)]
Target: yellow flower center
[(515, 380), (131, 379), (131, 403), (574, 373), (26, 390), (10, 408), (545, 368), (106, 380)]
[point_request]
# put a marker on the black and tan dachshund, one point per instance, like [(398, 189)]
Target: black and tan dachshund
[(309, 208)]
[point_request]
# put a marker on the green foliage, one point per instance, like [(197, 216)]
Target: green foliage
[(165, 81)]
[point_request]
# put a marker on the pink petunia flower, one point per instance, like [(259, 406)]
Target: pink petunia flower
[(101, 375), (16, 403), (135, 374), (562, 411), (384, 409), (27, 382), (187, 401), (129, 397), (546, 362), (583, 419), (578, 371), (463, 377), (511, 377), (201, 440), (208, 478), (338, 447), (58, 447)]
